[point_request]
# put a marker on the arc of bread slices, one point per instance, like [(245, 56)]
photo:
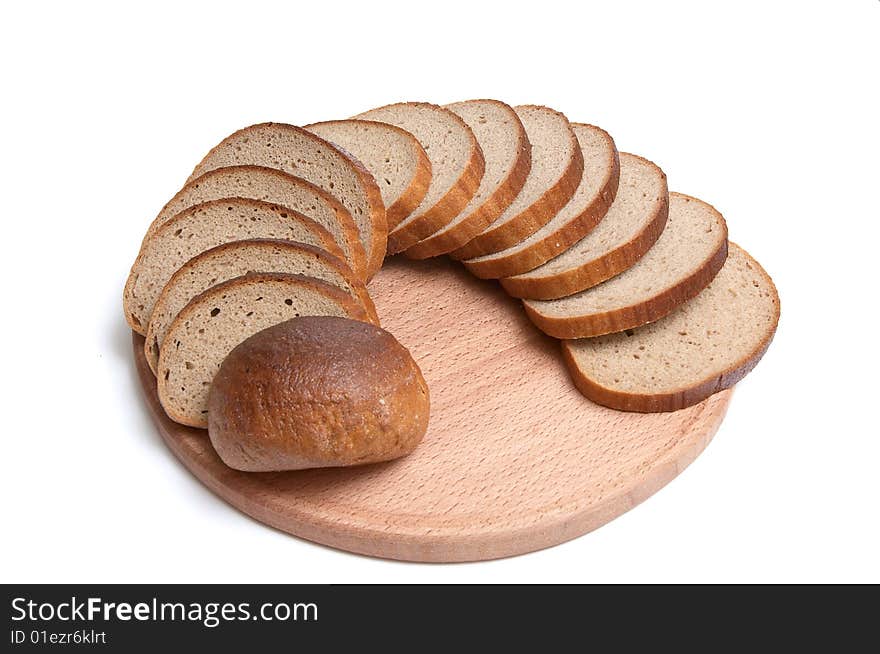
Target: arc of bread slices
[(508, 160), (299, 152), (457, 166), (707, 345), (632, 224), (238, 258), (276, 187), (393, 156), (557, 167), (214, 322), (201, 228), (686, 257), (584, 211)]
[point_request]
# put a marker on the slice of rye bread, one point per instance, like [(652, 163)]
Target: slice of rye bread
[(705, 346), (457, 166), (557, 167), (393, 156), (201, 228), (213, 323), (239, 258), (508, 156), (275, 186), (301, 153), (583, 212), (633, 223), (688, 254)]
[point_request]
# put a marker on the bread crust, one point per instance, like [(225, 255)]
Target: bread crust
[(447, 240), (595, 271), (351, 307), (372, 195), (682, 397), (635, 315), (560, 240), (450, 205), (359, 397), (128, 298), (151, 344), (417, 188), (536, 215), (356, 256)]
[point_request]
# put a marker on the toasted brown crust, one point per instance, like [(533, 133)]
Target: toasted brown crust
[(359, 398), (480, 218), (531, 219), (343, 299), (151, 348), (682, 397), (378, 225), (636, 315), (415, 192), (446, 208), (556, 242), (321, 232), (356, 256), (596, 271)]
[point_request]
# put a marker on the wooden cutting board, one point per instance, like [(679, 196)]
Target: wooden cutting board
[(515, 459)]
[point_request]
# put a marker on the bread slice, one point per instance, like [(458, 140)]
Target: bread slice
[(201, 228), (587, 207), (456, 166), (393, 156), (688, 254), (239, 258), (301, 153), (557, 166), (275, 186), (213, 323), (631, 226), (705, 346), (508, 156)]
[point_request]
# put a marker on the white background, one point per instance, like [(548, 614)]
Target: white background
[(767, 110)]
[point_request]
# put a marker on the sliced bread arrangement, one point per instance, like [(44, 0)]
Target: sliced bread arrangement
[(271, 241)]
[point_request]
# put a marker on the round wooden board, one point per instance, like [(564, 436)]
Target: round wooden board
[(515, 459)]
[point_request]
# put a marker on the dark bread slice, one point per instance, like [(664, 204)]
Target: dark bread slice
[(240, 258), (457, 166), (213, 323), (393, 156), (301, 153), (631, 226), (201, 228), (359, 397), (277, 187), (508, 159), (707, 345), (688, 254), (584, 211), (557, 167)]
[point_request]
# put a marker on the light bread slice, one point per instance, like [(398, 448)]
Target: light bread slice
[(705, 346), (201, 228), (238, 258), (301, 153), (275, 186), (630, 227), (557, 166), (583, 212), (456, 166), (688, 254), (508, 156), (213, 323), (393, 156)]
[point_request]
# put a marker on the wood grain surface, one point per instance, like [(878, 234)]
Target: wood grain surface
[(515, 458)]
